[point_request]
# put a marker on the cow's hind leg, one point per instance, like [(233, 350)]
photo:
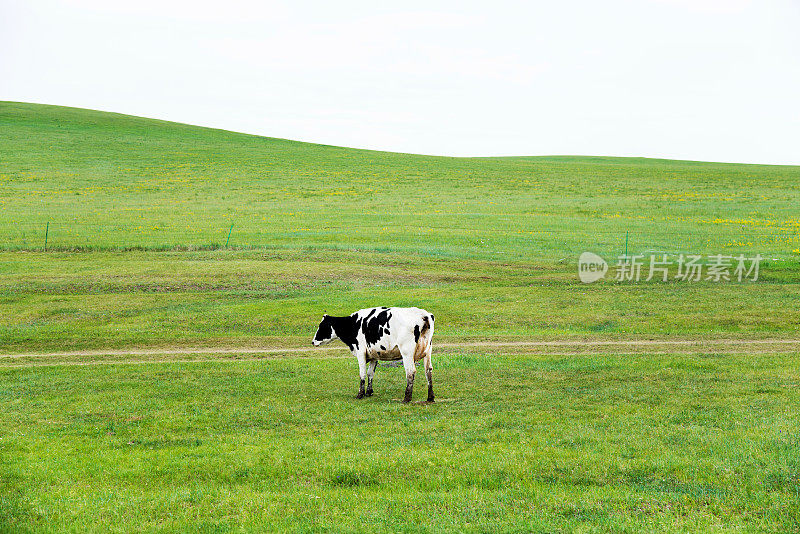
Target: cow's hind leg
[(370, 375), (429, 373), (411, 370)]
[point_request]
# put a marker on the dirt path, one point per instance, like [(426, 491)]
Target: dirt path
[(9, 364), (556, 347)]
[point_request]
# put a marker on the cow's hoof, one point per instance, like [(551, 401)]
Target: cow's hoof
[(360, 396), (368, 393), (430, 399), (406, 401)]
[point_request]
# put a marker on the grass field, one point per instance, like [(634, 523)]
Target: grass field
[(515, 443), (112, 181), (560, 438)]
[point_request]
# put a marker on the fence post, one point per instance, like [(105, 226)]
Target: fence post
[(229, 236), (46, 232)]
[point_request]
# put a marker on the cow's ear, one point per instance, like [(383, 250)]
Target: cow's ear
[(324, 315)]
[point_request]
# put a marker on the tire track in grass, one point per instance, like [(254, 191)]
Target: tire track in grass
[(475, 344), (344, 357), (228, 354)]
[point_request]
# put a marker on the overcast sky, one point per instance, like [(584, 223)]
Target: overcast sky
[(691, 79)]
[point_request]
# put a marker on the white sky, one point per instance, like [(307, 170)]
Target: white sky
[(691, 79)]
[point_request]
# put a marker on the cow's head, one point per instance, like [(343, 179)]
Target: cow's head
[(325, 332)]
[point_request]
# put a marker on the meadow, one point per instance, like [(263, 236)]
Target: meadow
[(108, 181), (514, 443), (163, 238)]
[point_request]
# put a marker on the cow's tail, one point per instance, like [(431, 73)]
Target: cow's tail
[(424, 343)]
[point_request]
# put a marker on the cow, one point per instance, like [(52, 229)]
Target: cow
[(383, 334)]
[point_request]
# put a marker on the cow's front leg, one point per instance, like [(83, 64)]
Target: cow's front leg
[(362, 371), (370, 375), (411, 370)]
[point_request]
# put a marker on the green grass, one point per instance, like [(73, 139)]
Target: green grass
[(77, 301), (515, 443), (139, 213), (112, 181), (138, 210)]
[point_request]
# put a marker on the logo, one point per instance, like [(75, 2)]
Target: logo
[(591, 267), (660, 267)]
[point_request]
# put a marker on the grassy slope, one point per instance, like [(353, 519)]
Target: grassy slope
[(103, 179), (489, 244)]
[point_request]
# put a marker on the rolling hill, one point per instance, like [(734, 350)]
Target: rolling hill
[(138, 213), (109, 181)]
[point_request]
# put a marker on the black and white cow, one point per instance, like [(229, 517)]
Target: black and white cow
[(383, 334)]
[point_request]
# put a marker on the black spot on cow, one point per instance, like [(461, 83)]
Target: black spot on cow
[(416, 333), (375, 327), (426, 324), (383, 348), (349, 326)]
